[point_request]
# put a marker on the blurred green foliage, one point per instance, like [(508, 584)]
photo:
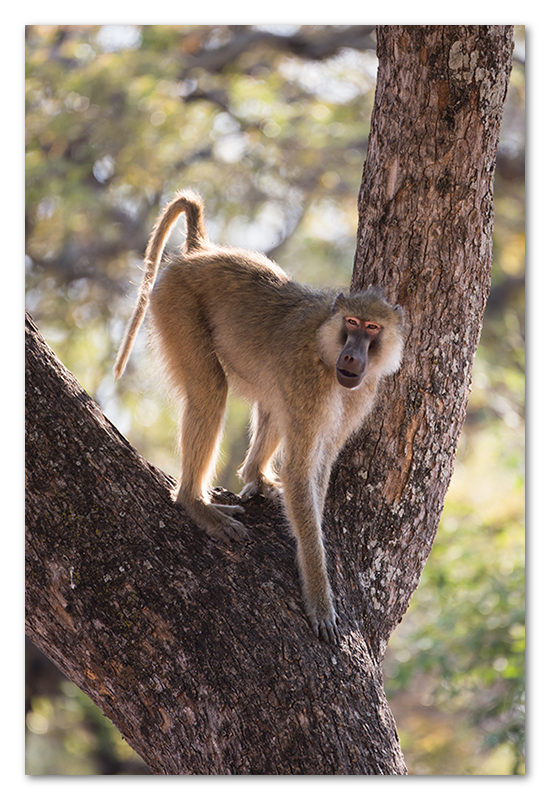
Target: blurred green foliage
[(67, 734), (462, 644), (270, 124)]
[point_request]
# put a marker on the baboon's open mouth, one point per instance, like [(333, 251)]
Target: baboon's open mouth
[(348, 374), (347, 379)]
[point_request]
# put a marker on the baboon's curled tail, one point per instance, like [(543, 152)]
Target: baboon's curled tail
[(191, 204)]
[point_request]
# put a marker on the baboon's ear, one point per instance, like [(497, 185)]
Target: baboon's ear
[(400, 313), (339, 302)]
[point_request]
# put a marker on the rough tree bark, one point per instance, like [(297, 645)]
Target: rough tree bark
[(199, 653), (425, 234)]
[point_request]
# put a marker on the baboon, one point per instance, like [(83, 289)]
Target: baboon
[(309, 361)]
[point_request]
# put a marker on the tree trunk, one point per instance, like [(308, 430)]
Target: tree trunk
[(200, 653), (424, 234)]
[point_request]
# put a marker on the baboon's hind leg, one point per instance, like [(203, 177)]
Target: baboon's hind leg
[(201, 432), (200, 380), (256, 472)]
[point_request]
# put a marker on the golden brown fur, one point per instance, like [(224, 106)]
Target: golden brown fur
[(228, 317)]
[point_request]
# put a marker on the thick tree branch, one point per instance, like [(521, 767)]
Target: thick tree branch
[(200, 654)]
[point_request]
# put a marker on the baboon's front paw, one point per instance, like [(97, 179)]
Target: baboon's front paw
[(325, 626)]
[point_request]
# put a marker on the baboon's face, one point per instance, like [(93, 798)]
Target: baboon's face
[(353, 360)]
